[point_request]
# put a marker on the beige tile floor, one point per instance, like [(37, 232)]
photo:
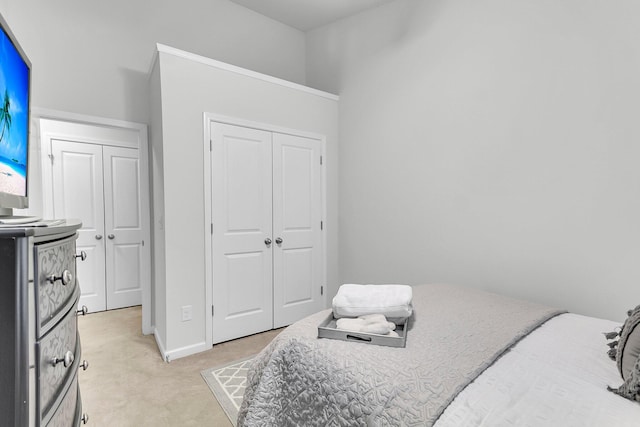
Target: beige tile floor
[(128, 383)]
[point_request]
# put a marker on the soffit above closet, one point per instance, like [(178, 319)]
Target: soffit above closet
[(306, 15)]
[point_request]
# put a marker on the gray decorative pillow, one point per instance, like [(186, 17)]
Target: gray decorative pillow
[(626, 353), (613, 337), (631, 387), (629, 345)]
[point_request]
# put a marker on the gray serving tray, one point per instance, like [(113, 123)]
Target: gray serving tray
[(327, 329)]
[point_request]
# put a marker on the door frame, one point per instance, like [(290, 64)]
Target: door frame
[(141, 143), (209, 118)]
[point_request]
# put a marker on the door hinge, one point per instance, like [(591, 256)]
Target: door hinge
[(321, 225), (211, 228), (211, 145), (321, 160), (213, 312), (321, 290), (51, 157), (143, 243)]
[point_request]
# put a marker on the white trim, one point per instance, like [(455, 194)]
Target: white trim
[(45, 113), (325, 233), (172, 355), (110, 135), (169, 356), (208, 118), (239, 70), (208, 241), (228, 120), (143, 147), (145, 200), (160, 344)]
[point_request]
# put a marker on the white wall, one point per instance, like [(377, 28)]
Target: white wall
[(93, 57), (490, 143), (189, 88)]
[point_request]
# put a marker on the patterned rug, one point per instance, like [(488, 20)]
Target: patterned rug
[(227, 383)]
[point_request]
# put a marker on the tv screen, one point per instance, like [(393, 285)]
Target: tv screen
[(14, 121)]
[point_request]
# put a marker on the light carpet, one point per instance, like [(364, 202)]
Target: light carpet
[(227, 383)]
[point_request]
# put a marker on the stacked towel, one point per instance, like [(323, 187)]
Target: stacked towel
[(370, 324), (392, 301)]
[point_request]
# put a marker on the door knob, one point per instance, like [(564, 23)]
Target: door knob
[(98, 236), (111, 236), (66, 278), (279, 240), (82, 255), (267, 241), (67, 360)]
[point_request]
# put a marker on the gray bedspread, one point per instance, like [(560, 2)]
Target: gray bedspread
[(454, 335)]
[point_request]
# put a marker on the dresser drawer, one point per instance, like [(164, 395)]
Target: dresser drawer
[(60, 347), (68, 412), (55, 277)]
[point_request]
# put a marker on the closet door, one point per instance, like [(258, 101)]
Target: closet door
[(242, 231), (97, 179), (78, 193), (123, 227), (297, 207)]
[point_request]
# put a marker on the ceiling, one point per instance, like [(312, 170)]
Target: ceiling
[(306, 15)]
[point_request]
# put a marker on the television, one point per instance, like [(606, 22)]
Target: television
[(15, 93)]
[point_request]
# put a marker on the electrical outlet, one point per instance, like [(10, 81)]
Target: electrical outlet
[(187, 313)]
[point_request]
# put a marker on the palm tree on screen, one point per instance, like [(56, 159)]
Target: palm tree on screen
[(5, 115)]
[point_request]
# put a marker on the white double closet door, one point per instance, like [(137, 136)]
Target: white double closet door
[(100, 184), (267, 243)]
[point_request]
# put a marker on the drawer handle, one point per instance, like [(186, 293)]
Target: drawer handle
[(66, 278), (67, 360), (83, 311), (85, 418), (84, 365), (82, 255)]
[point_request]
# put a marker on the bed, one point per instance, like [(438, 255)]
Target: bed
[(471, 359)]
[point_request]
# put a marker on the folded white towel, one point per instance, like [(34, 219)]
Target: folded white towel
[(350, 324), (378, 319), (357, 300), (376, 328), (373, 324)]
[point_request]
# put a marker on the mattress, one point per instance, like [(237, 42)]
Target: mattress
[(556, 376)]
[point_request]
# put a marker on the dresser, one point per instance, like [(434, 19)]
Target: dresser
[(39, 342)]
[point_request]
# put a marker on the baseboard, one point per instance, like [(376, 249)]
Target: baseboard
[(168, 356), (160, 344), (185, 351)]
